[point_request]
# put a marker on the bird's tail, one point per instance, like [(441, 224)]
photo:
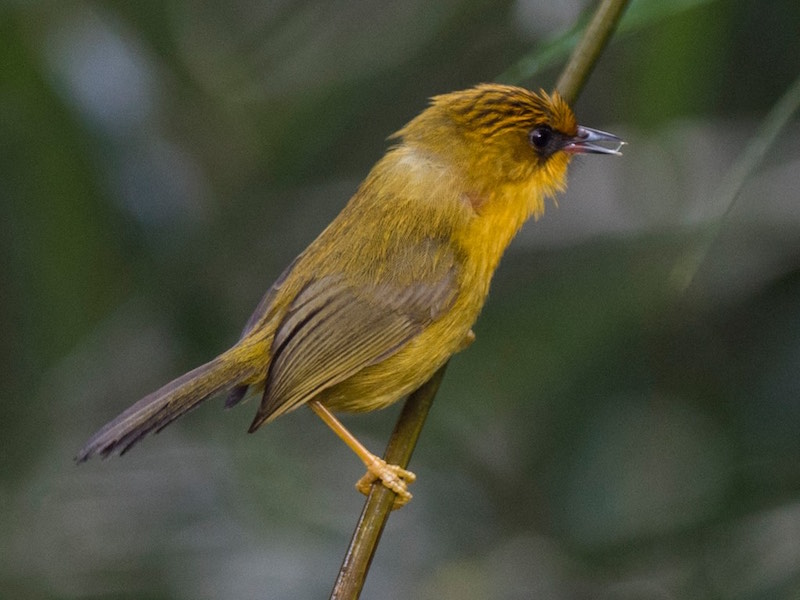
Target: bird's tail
[(159, 409)]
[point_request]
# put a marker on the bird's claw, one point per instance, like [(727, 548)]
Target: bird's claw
[(393, 477)]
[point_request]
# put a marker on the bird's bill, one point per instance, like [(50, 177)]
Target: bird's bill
[(594, 141)]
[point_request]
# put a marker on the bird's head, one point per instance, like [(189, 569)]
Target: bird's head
[(499, 135)]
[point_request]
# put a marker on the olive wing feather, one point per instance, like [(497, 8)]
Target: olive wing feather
[(334, 329)]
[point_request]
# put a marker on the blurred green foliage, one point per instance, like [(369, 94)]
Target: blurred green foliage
[(610, 435)]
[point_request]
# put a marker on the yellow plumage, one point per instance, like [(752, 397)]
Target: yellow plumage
[(389, 290)]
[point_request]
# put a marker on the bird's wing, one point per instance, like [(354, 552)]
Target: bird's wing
[(334, 329)]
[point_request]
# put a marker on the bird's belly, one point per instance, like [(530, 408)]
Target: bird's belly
[(383, 383)]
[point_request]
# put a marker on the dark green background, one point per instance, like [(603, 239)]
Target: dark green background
[(614, 433)]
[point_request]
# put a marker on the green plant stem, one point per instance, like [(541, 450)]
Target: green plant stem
[(731, 185), (376, 510), (375, 513), (552, 50), (589, 48)]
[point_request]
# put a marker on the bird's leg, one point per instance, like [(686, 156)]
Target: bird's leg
[(393, 477)]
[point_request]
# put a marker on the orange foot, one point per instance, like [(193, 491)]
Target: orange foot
[(392, 477)]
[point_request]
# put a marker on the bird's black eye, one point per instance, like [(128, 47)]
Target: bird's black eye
[(540, 137)]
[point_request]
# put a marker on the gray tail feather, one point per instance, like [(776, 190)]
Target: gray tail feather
[(159, 409)]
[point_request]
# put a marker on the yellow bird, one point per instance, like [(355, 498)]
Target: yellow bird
[(389, 291)]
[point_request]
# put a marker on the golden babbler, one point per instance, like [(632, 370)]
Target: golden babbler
[(390, 289)]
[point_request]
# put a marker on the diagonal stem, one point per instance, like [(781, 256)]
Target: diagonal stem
[(728, 191), (380, 500), (375, 513), (589, 48)]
